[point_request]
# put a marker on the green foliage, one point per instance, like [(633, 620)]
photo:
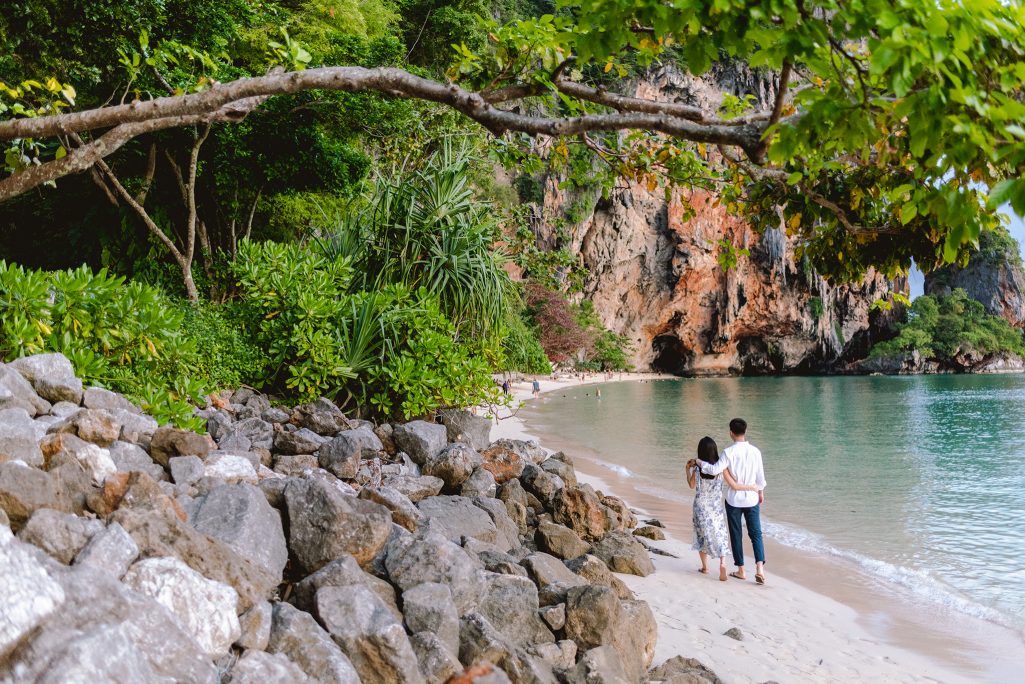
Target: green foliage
[(553, 268), (225, 357), (607, 351), (943, 327), (129, 337), (729, 255), (521, 348)]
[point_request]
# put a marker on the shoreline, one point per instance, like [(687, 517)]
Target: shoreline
[(819, 618)]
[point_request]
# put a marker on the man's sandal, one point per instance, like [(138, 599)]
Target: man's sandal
[(738, 576)]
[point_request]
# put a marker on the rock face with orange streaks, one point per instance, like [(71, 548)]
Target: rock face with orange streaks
[(654, 273)]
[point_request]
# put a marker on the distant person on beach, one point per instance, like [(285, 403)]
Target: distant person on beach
[(505, 386), (709, 517), (537, 388), (744, 460)]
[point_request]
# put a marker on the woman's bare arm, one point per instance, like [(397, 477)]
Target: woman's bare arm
[(736, 486), (691, 476)]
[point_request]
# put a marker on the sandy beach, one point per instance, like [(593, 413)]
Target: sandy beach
[(816, 620)]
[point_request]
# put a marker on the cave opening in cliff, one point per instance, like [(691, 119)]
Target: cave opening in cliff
[(670, 356)]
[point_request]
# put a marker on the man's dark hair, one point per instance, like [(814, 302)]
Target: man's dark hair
[(738, 426)]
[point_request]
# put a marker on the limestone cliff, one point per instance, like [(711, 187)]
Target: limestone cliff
[(654, 274), (993, 275)]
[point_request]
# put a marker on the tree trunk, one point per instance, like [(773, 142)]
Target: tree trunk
[(190, 285)]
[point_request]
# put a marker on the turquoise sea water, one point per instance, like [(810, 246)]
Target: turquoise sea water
[(919, 480)]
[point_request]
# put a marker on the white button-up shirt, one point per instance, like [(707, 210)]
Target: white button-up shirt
[(745, 462)]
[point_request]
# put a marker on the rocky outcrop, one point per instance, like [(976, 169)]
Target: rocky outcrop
[(654, 274), (168, 569), (994, 275)]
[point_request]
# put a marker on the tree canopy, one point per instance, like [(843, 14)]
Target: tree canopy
[(893, 132)]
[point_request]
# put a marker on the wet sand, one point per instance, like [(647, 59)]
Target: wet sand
[(819, 619)]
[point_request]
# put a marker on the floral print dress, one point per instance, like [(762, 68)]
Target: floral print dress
[(711, 535)]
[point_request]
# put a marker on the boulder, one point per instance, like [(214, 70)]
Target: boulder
[(437, 662), (257, 667), (110, 550), (63, 447), (561, 655), (16, 392), (504, 463), (19, 437), (295, 466), (135, 489), (239, 515), (420, 439), (136, 428), (275, 415), (508, 531), (480, 483), (369, 634), (256, 625), (618, 512), (600, 665), (161, 533), (594, 570), (650, 532), (453, 465), (560, 541), (207, 609), (541, 484), (61, 535), (99, 398), (403, 511), (479, 641), (684, 671), (230, 468), (324, 524), (343, 572), (431, 558), (297, 636), (320, 416), (416, 488), (93, 425), (256, 432), (428, 607), (466, 427), (130, 457), (302, 441), (622, 553), (186, 470), (30, 592), (24, 490), (511, 605), (579, 509), (545, 570), (168, 442), (341, 456), (480, 673), (530, 450), (635, 637), (105, 632), (554, 616), (52, 377), (458, 517), (561, 469)]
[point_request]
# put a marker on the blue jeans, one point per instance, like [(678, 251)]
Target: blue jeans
[(754, 530)]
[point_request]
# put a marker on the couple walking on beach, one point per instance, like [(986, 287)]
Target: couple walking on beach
[(740, 466)]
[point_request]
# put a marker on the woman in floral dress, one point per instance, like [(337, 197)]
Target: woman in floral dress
[(712, 537)]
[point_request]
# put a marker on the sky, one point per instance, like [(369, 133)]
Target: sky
[(1017, 229)]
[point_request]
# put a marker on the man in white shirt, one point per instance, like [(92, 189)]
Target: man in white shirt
[(745, 463)]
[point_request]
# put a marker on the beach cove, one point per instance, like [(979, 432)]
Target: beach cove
[(822, 617)]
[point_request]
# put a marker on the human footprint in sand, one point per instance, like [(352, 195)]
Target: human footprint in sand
[(744, 460), (709, 516)]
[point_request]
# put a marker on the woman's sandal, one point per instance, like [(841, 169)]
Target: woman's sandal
[(760, 579), (703, 571), (738, 576), (722, 574)]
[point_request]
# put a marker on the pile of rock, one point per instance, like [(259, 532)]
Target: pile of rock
[(299, 545)]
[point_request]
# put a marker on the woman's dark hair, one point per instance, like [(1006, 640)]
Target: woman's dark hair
[(708, 452)]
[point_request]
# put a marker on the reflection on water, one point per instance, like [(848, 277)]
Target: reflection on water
[(924, 476)]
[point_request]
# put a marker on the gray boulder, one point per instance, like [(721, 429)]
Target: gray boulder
[(239, 515), (480, 483), (110, 550), (24, 490), (428, 607), (302, 441), (601, 665), (130, 457), (480, 641), (297, 636), (454, 465), (16, 392), (458, 517), (541, 484), (592, 616), (324, 524), (99, 398), (30, 591), (341, 456), (257, 667), (420, 439), (508, 531), (168, 442), (93, 425), (594, 570), (136, 428), (559, 540), (258, 433), (685, 671), (511, 605), (545, 569), (19, 437), (52, 377), (186, 470), (403, 511), (463, 426), (369, 634), (623, 553), (321, 416), (431, 558), (416, 488), (561, 469), (61, 535), (256, 625), (437, 663), (343, 572)]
